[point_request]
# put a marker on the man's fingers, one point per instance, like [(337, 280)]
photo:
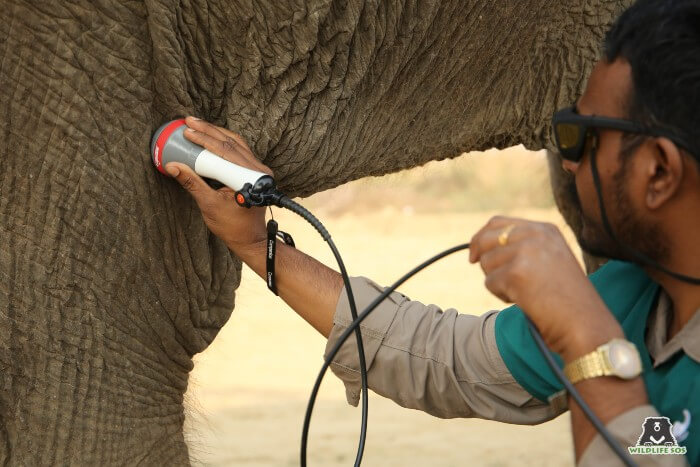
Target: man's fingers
[(476, 243), (216, 132), (497, 257), (223, 147), (497, 283), (490, 237), (205, 127), (224, 143), (235, 136), (190, 181)]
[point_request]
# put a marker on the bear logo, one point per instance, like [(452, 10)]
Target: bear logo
[(656, 431)]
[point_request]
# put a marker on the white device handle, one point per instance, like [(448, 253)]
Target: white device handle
[(233, 176)]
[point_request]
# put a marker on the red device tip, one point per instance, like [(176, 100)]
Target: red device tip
[(160, 143)]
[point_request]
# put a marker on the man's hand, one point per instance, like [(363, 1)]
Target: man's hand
[(533, 266), (240, 228), (307, 286)]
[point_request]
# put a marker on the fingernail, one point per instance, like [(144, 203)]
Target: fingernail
[(195, 118), (172, 170), (190, 130)]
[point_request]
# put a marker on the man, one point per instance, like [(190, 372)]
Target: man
[(632, 145)]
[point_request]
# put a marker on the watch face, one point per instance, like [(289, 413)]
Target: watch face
[(624, 359)]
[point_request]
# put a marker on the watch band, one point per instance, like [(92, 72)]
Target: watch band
[(588, 366), (618, 357)]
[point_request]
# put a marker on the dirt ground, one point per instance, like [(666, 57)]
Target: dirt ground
[(249, 390)]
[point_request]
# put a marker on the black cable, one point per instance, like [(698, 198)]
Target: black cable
[(287, 203), (295, 207), (614, 445), (617, 449), (354, 326)]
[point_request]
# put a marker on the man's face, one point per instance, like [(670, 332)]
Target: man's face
[(623, 184)]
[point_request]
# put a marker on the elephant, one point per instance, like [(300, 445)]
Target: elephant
[(109, 280)]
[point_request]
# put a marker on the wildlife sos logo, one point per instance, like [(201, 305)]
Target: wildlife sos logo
[(657, 438)]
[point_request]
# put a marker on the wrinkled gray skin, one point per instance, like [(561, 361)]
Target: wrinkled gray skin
[(109, 279)]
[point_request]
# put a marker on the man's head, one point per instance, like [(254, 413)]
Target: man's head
[(650, 76)]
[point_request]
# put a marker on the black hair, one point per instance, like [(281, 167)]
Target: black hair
[(660, 39)]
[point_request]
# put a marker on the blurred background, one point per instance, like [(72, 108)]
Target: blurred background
[(248, 392)]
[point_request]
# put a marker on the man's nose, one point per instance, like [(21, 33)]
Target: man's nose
[(569, 166)]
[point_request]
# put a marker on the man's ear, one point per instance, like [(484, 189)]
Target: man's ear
[(665, 172)]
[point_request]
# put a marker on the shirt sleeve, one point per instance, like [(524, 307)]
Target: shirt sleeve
[(626, 429), (441, 362), (626, 290)]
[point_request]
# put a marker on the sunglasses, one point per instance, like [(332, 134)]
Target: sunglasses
[(572, 131)]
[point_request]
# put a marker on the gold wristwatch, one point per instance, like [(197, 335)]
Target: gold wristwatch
[(616, 358)]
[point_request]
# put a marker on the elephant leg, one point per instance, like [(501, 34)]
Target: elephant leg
[(109, 280)]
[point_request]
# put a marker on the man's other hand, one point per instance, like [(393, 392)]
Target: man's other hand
[(530, 264)]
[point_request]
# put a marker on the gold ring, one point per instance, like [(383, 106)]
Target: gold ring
[(503, 236)]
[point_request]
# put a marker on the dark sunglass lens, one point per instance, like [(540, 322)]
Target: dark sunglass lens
[(568, 135)]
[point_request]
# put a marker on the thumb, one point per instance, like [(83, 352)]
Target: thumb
[(189, 180)]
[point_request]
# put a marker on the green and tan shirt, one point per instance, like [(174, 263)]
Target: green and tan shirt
[(489, 367)]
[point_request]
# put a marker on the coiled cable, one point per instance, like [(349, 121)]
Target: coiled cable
[(614, 445), (287, 203), (354, 327)]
